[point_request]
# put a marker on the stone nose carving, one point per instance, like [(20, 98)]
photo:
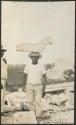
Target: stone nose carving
[(35, 47)]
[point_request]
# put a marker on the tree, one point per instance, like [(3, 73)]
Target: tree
[(68, 74)]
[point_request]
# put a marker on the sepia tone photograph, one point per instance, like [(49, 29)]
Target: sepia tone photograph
[(37, 62)]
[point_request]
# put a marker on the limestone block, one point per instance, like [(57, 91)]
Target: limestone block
[(25, 118), (45, 105), (55, 99), (66, 117)]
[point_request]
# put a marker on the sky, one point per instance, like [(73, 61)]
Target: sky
[(32, 22)]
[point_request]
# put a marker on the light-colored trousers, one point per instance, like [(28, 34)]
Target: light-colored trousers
[(3, 93), (34, 97)]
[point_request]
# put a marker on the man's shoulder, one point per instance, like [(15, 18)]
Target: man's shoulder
[(27, 65), (38, 65), (42, 65)]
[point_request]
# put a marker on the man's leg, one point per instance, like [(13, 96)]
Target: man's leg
[(30, 97), (3, 93), (38, 99)]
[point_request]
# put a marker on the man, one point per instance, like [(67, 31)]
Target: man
[(5, 103), (3, 77), (34, 73)]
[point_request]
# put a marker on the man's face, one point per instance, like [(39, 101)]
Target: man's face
[(35, 59), (2, 53)]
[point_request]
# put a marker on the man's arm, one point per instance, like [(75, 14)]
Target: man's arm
[(44, 84), (25, 78), (4, 60)]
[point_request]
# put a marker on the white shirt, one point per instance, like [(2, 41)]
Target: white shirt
[(3, 70), (34, 73)]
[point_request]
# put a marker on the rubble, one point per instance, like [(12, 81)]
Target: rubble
[(17, 100), (46, 106), (44, 115), (55, 106), (15, 97), (14, 101), (24, 118), (59, 86), (61, 117), (8, 108)]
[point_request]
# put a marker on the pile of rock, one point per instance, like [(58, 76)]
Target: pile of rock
[(17, 100), (14, 101), (51, 104), (65, 99)]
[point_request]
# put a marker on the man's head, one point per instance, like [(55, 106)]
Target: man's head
[(2, 51), (35, 57)]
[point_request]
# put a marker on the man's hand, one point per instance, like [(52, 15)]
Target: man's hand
[(24, 89), (24, 85), (43, 91), (44, 84)]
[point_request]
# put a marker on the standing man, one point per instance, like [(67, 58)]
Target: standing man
[(34, 73), (3, 77)]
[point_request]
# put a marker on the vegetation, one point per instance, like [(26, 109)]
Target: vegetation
[(16, 76), (68, 74)]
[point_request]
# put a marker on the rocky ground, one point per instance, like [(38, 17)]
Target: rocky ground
[(57, 116), (65, 117), (57, 109)]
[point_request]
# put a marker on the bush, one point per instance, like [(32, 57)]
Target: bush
[(68, 74), (15, 76)]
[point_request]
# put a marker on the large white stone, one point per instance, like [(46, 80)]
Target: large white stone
[(66, 117), (45, 105), (25, 118)]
